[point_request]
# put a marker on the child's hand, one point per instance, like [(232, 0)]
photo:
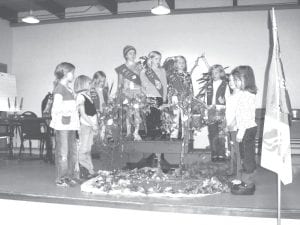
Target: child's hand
[(221, 100), (239, 137), (239, 140)]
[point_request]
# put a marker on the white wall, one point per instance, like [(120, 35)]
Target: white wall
[(6, 44), (231, 39)]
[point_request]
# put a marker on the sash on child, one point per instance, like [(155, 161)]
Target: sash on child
[(154, 79), (128, 74)]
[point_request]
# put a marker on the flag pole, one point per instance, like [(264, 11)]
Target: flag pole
[(278, 200), (275, 51)]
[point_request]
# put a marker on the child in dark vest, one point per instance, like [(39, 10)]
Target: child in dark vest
[(99, 90), (88, 125), (215, 98), (99, 94)]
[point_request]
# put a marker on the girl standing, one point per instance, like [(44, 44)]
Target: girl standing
[(181, 91), (129, 84), (99, 90), (65, 122), (217, 91), (246, 128), (88, 124), (231, 126), (154, 84)]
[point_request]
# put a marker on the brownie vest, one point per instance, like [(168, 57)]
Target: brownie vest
[(89, 107), (220, 92)]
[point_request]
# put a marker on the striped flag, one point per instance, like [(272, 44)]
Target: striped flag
[(276, 149)]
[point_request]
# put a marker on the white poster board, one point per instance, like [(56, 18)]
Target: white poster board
[(8, 93)]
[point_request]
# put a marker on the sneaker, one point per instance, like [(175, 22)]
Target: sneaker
[(221, 158), (235, 183), (91, 175), (70, 182), (243, 189), (137, 137), (83, 172), (129, 137), (62, 183), (214, 158)]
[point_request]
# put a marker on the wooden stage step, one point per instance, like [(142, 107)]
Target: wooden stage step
[(172, 147)]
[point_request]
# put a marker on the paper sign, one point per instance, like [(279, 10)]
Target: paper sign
[(8, 93)]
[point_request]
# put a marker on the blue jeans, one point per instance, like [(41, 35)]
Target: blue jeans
[(86, 136), (65, 154)]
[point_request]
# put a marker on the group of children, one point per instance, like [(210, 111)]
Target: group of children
[(234, 94), (159, 84), (71, 114), (74, 112)]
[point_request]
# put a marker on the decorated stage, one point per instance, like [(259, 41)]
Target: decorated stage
[(29, 180)]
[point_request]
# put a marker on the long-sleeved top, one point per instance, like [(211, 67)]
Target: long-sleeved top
[(231, 108), (149, 89), (64, 111), (245, 112)]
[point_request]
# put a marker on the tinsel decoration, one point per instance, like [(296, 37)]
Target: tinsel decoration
[(151, 182)]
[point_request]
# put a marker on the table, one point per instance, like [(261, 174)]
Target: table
[(14, 128)]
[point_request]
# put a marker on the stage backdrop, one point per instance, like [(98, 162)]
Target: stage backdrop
[(230, 39)]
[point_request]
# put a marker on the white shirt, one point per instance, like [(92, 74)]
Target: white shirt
[(231, 109), (245, 112)]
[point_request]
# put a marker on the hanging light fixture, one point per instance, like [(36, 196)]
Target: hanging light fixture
[(30, 19), (160, 9)]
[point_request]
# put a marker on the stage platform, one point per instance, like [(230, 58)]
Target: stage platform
[(33, 180)]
